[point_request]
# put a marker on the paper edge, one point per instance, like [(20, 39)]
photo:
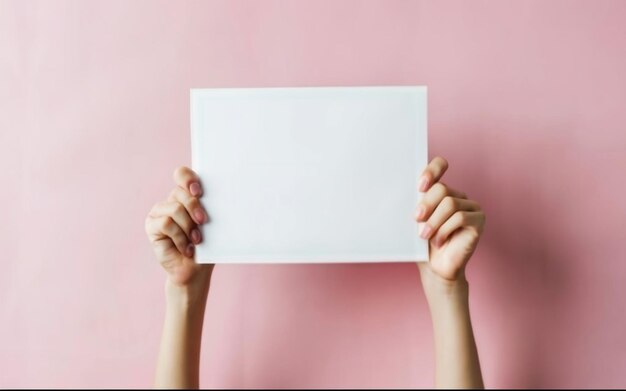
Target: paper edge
[(196, 95)]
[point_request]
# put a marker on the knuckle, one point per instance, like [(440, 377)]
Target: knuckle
[(464, 218), (449, 202), (179, 172), (461, 217), (172, 194), (179, 237), (179, 208), (193, 203), (154, 208), (440, 188), (168, 223)]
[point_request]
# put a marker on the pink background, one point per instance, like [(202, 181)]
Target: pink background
[(526, 100)]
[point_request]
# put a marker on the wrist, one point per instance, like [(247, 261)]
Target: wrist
[(438, 289), (190, 296)]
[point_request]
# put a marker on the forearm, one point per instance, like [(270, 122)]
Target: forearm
[(456, 357), (179, 355)]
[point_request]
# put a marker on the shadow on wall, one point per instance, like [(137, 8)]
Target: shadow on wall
[(525, 273)]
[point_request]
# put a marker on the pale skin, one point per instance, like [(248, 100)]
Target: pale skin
[(450, 221)]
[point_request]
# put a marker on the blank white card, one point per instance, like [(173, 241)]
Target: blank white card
[(320, 174)]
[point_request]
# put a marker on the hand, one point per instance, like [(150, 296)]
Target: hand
[(451, 222), (172, 227)]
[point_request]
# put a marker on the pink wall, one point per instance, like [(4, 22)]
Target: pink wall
[(527, 100)]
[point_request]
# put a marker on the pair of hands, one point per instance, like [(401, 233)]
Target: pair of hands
[(448, 219)]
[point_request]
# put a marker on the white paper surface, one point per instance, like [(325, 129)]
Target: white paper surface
[(319, 174)]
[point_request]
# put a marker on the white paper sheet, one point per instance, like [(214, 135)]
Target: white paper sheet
[(319, 174)]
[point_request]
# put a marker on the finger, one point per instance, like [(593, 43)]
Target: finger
[(186, 178), (432, 173), (460, 219), (454, 192), (177, 211), (165, 228), (446, 208), (191, 204), (432, 198)]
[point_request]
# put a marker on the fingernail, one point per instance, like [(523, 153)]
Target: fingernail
[(423, 184), (189, 250), (196, 236), (195, 189), (199, 215), (426, 230), (420, 212)]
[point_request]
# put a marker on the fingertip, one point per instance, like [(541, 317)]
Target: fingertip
[(196, 236), (199, 215), (189, 250), (419, 214), (436, 168), (195, 189), (179, 172), (422, 185), (184, 177), (426, 231), (442, 162)]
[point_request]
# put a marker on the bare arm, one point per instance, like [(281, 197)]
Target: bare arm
[(453, 225), (456, 358), (173, 228), (179, 355)]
